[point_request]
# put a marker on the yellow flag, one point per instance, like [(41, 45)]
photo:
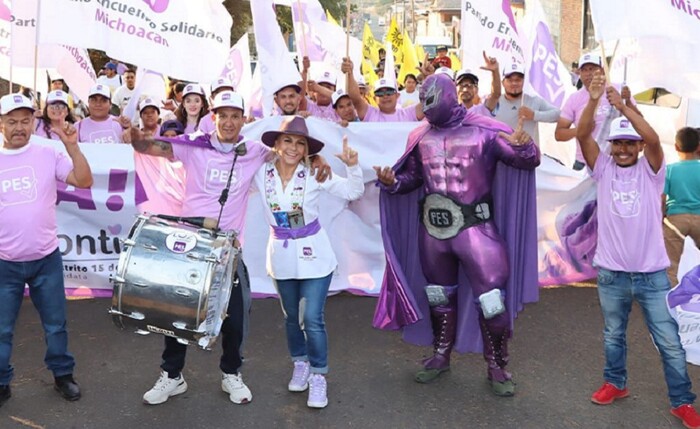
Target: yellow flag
[(368, 72), (331, 19), (456, 63), (420, 53), (370, 46), (410, 59), (396, 38)]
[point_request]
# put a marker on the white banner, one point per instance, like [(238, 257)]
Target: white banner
[(76, 69), (488, 25), (237, 69), (184, 39), (24, 45), (89, 233)]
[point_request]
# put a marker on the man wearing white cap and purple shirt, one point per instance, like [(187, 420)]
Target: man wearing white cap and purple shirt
[(100, 126), (344, 108), (632, 265), (149, 112), (514, 105), (573, 108), (322, 89), (386, 95), (289, 99), (207, 159), (29, 252)]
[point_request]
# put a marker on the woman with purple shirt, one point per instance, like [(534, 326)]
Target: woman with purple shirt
[(193, 108), (300, 258), (55, 114)]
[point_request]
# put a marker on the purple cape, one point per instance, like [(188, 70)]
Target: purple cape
[(402, 302)]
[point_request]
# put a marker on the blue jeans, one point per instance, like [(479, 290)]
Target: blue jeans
[(617, 290), (303, 303), (45, 279)]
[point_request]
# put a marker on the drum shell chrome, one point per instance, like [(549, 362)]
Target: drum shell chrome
[(176, 290)]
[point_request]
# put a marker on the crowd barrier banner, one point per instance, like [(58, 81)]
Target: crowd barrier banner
[(92, 222), (186, 39)]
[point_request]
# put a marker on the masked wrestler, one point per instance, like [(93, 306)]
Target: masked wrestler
[(475, 214)]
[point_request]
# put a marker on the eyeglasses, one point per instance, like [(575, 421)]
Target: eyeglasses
[(382, 93), (467, 85), (57, 106)]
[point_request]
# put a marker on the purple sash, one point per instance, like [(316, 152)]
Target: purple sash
[(287, 234)]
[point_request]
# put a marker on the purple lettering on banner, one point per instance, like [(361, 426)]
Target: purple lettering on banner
[(157, 6), (234, 67), (544, 74), (5, 13), (509, 13), (117, 183), (82, 197)]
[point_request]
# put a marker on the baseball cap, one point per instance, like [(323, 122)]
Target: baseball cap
[(337, 95), (221, 82), (100, 89), (446, 71), (110, 66), (172, 125), (57, 96), (11, 102), (296, 87), (327, 77), (192, 88), (148, 102), (621, 129), (466, 73), (228, 99), (385, 83), (361, 81), (590, 59), (514, 68), (441, 48)]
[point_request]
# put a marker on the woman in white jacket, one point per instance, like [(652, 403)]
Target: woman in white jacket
[(300, 258)]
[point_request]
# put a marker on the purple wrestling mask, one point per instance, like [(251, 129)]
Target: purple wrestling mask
[(438, 95)]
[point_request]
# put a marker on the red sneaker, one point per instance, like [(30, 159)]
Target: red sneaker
[(688, 416), (608, 393)]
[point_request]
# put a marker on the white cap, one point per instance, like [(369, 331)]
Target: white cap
[(228, 99), (385, 83), (446, 71), (327, 77), (361, 81), (337, 95), (622, 129), (514, 68), (282, 86), (467, 73), (148, 102), (100, 89), (192, 88), (590, 59), (56, 97), (221, 82), (12, 102)]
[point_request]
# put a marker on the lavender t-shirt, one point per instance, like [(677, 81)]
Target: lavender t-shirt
[(573, 109), (630, 235), (207, 172), (28, 176), (407, 114), (106, 131), (323, 112)]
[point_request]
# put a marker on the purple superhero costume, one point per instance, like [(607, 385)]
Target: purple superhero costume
[(456, 155)]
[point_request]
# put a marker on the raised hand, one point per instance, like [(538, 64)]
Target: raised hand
[(68, 134), (626, 94), (349, 156), (124, 122), (490, 63), (526, 113), (346, 66), (614, 98), (519, 136), (427, 67), (385, 175), (597, 86)]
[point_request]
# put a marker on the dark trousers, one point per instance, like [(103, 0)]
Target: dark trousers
[(232, 333)]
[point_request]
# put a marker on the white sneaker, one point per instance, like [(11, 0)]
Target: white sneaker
[(300, 376), (237, 391), (318, 391), (165, 388)]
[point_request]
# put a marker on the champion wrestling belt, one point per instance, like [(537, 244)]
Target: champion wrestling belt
[(444, 218)]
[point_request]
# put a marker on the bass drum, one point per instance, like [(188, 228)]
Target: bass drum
[(174, 280)]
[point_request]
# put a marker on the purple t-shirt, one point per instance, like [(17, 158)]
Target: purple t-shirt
[(630, 235), (573, 109), (207, 172), (481, 109), (406, 114), (28, 176), (106, 131), (41, 132), (322, 112), (206, 124)]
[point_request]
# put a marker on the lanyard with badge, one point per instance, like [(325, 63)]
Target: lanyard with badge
[(294, 218)]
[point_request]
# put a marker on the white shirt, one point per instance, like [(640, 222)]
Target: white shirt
[(408, 99), (122, 96), (113, 82), (308, 257)]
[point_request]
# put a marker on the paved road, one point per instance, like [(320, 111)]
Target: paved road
[(556, 358)]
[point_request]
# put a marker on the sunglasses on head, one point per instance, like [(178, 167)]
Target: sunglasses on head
[(383, 92)]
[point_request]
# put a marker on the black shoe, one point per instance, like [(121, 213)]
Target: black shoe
[(5, 393), (67, 387)]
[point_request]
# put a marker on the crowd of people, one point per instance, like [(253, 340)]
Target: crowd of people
[(462, 162)]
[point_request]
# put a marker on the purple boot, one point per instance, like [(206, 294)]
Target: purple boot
[(496, 332), (443, 318)]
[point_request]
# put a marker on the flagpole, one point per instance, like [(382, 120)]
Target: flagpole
[(347, 42), (36, 54), (413, 20), (303, 31)]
